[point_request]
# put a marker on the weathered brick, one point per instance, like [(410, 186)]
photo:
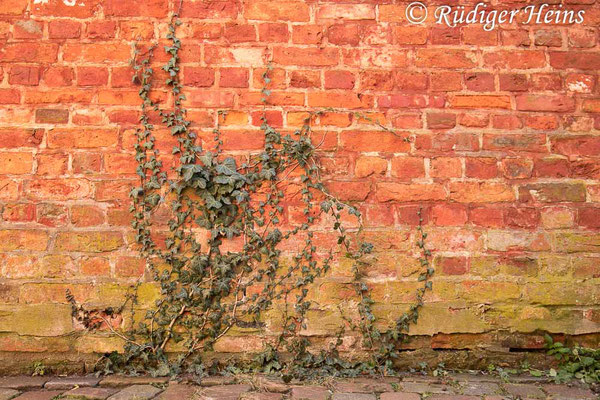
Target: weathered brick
[(281, 11), (409, 192), (481, 192), (91, 242), (16, 163), (82, 138), (51, 116), (552, 192)]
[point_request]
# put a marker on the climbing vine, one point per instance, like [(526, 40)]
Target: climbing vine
[(218, 260)]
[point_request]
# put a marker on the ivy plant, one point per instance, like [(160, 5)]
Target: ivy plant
[(219, 260)]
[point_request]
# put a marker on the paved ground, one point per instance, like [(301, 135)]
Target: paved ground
[(411, 387)]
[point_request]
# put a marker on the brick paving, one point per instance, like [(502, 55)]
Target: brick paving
[(409, 387)]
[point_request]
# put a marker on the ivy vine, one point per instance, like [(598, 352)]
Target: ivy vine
[(217, 202)]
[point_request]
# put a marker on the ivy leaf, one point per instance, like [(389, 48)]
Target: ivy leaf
[(211, 202), (227, 167), (188, 172)]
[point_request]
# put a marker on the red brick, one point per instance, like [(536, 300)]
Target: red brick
[(514, 82), (507, 122), (515, 168), (476, 35), (365, 141), (234, 77), (52, 164), (555, 103), (402, 101), (573, 59), (480, 192), (541, 122), (240, 33), (473, 120), (16, 163), (82, 138), (306, 79), (515, 59), (13, 7), (130, 267), (24, 75), (64, 29), (479, 82), (407, 121), (410, 35), (92, 76), (281, 11), (349, 100), (29, 52), (452, 266), (407, 168), (448, 214), (273, 117), (446, 167), (548, 37), (483, 168), (10, 96), (83, 216), (218, 9), (58, 76), (411, 81), (339, 80), (518, 142), (346, 12), (445, 35), (198, 76), (577, 145), (376, 80), (367, 166), (94, 266), (101, 30), (273, 33), (589, 217), (480, 101), (445, 58), (586, 168), (21, 212), (446, 81), (86, 163), (441, 120), (58, 189), (18, 137), (515, 38), (580, 83), (409, 192), (28, 29), (51, 116), (106, 52), (136, 30), (344, 34), (307, 34), (148, 8), (554, 167), (487, 216), (527, 218), (546, 82), (350, 191), (581, 38)]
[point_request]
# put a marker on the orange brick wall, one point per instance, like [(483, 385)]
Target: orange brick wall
[(504, 156)]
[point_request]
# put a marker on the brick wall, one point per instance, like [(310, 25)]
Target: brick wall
[(504, 157)]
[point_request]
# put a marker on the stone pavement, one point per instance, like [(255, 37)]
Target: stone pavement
[(255, 387)]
